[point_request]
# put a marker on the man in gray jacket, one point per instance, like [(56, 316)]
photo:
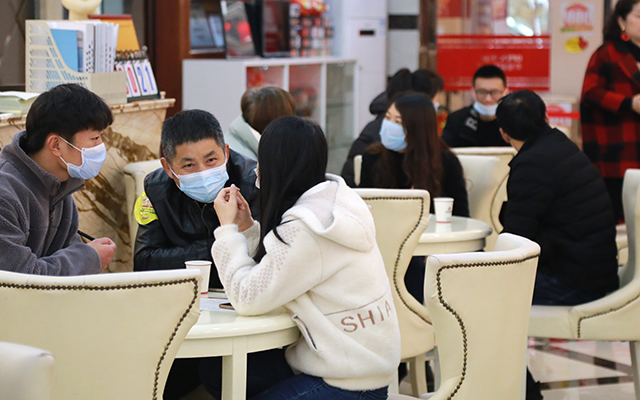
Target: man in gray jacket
[(39, 170)]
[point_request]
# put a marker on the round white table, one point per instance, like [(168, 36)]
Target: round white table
[(226, 334), (461, 235)]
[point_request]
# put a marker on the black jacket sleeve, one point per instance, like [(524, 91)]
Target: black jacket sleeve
[(153, 251), (453, 184), (366, 176), (449, 133), (370, 134)]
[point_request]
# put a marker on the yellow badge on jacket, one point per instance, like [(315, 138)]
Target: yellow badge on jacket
[(143, 210)]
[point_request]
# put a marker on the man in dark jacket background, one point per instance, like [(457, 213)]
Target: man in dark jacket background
[(558, 199), (475, 125), (175, 213)]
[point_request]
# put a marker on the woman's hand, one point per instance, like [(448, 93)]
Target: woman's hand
[(635, 103), (244, 220), (226, 205)]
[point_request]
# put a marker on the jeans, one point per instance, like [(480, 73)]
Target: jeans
[(309, 387), (264, 370)]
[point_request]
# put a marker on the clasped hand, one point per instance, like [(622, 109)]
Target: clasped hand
[(232, 208)]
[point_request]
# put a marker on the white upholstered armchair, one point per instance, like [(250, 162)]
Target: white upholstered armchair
[(401, 216), (26, 373), (134, 175), (479, 304), (615, 317), (491, 215), (113, 336)]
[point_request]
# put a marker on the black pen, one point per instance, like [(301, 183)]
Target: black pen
[(84, 235)]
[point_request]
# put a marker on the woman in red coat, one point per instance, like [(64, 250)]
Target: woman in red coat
[(610, 104)]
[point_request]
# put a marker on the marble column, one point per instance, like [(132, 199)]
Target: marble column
[(134, 136)]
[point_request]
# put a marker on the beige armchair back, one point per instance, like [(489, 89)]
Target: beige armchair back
[(492, 215), (26, 373), (479, 303), (134, 175), (114, 336)]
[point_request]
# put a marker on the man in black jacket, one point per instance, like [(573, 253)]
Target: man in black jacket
[(558, 199), (476, 124), (175, 213)]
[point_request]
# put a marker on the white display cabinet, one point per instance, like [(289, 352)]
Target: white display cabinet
[(325, 90)]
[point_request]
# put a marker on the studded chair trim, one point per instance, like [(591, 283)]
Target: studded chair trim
[(457, 316), (396, 278), (192, 281)]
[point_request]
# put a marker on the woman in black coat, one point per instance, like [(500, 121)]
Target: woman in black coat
[(412, 156)]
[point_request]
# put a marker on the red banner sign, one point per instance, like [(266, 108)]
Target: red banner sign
[(525, 60), (449, 8)]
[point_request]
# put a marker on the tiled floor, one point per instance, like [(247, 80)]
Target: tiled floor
[(572, 370), (568, 370)]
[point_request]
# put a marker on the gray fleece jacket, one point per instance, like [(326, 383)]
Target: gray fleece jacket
[(39, 219)]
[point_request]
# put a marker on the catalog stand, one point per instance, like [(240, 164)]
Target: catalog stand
[(46, 69)]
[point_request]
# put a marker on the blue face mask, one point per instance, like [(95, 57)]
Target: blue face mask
[(204, 186), (392, 136), (92, 160)]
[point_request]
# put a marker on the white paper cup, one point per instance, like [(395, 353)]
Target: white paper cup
[(443, 208), (205, 270)]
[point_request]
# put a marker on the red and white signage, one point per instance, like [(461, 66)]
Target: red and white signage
[(525, 60), (577, 17)]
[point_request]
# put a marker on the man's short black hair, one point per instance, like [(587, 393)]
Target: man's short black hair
[(490, 71), (426, 81), (189, 126), (65, 110), (522, 115)]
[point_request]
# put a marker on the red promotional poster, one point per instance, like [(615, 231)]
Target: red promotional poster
[(449, 8), (525, 60)]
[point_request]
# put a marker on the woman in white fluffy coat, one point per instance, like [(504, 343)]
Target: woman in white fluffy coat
[(315, 254)]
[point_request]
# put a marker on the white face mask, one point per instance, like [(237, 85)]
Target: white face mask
[(92, 160), (487, 111), (204, 186), (436, 105)]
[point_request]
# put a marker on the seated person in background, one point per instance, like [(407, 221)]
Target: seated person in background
[(422, 81), (557, 198), (412, 156), (476, 125), (400, 82), (259, 107), (39, 171), (308, 256), (176, 216), (175, 213)]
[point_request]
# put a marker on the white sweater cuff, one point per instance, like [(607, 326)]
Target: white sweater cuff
[(225, 230)]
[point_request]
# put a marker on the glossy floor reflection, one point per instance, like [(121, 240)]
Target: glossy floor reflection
[(572, 370)]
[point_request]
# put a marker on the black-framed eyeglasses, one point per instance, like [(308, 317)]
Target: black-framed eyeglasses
[(482, 93)]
